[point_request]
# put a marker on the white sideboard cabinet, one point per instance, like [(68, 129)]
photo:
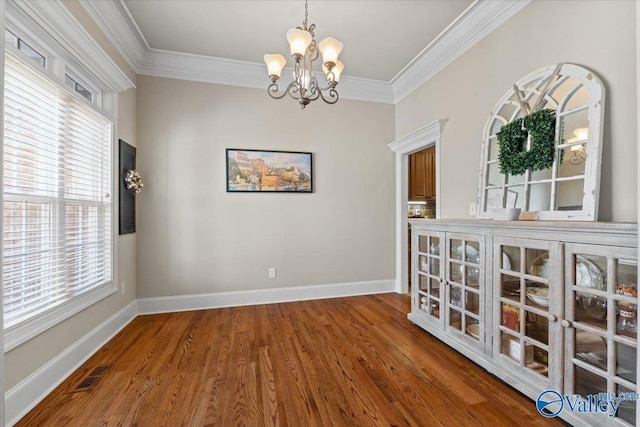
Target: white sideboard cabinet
[(542, 305)]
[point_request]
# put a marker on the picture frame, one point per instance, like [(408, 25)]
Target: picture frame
[(127, 199), (268, 171)]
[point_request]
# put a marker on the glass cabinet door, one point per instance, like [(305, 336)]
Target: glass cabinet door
[(601, 325), (528, 289), (428, 292), (465, 286)]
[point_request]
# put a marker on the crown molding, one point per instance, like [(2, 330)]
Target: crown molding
[(475, 23), (59, 24), (114, 19), (365, 89), (200, 68), (418, 139)]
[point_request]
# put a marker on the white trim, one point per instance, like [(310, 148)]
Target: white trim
[(115, 20), (415, 141), (29, 392), (56, 20), (200, 68), (208, 69), (475, 23), (24, 331), (261, 296), (418, 140), (362, 89)]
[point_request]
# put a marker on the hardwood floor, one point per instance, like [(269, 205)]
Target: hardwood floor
[(338, 362)]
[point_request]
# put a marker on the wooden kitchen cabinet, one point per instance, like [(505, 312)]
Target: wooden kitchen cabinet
[(543, 305), (422, 175)]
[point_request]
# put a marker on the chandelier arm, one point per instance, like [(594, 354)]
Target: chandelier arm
[(333, 96), (314, 95), (292, 89), (313, 85), (331, 80), (331, 85), (272, 90)]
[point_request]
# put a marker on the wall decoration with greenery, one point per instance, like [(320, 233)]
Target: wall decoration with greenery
[(513, 156)]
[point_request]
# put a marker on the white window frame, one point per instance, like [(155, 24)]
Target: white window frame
[(58, 62), (96, 94)]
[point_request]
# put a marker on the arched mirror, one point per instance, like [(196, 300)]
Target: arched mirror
[(567, 189)]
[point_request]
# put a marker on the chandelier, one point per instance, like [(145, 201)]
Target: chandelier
[(305, 87)]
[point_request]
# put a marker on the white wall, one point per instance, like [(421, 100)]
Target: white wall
[(599, 35), (194, 238)]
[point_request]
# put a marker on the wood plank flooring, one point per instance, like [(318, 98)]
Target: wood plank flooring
[(338, 362)]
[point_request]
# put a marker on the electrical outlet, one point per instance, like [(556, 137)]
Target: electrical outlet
[(472, 209), (272, 272), (123, 287)]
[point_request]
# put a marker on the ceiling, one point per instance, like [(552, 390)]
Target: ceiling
[(380, 37)]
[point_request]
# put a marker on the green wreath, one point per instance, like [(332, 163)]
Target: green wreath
[(513, 156)]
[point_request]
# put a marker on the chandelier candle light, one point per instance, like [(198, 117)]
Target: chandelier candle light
[(305, 87)]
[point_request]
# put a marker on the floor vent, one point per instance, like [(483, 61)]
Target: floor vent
[(88, 382)]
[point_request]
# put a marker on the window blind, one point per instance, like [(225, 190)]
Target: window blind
[(57, 205)]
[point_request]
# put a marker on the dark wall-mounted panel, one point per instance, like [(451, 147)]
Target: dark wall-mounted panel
[(127, 198)]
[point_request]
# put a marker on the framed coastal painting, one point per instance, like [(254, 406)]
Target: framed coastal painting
[(262, 171)]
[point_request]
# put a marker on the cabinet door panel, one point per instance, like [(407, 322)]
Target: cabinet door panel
[(464, 279), (428, 296), (422, 169), (600, 326), (419, 176), (528, 289)]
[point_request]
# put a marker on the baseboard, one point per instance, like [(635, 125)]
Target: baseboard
[(262, 296), (30, 391)]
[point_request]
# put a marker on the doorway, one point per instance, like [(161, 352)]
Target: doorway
[(422, 192), (403, 147)]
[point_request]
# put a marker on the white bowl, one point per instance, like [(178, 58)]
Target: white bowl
[(539, 295), (505, 214)]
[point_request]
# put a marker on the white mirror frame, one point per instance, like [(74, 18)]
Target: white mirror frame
[(531, 86)]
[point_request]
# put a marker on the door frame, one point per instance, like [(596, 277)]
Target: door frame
[(422, 138)]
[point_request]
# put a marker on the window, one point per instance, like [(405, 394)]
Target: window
[(57, 238), (70, 81), (23, 47)]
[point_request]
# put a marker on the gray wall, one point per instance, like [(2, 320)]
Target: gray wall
[(193, 237), (599, 35)]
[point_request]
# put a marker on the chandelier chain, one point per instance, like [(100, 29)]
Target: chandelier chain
[(306, 13)]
